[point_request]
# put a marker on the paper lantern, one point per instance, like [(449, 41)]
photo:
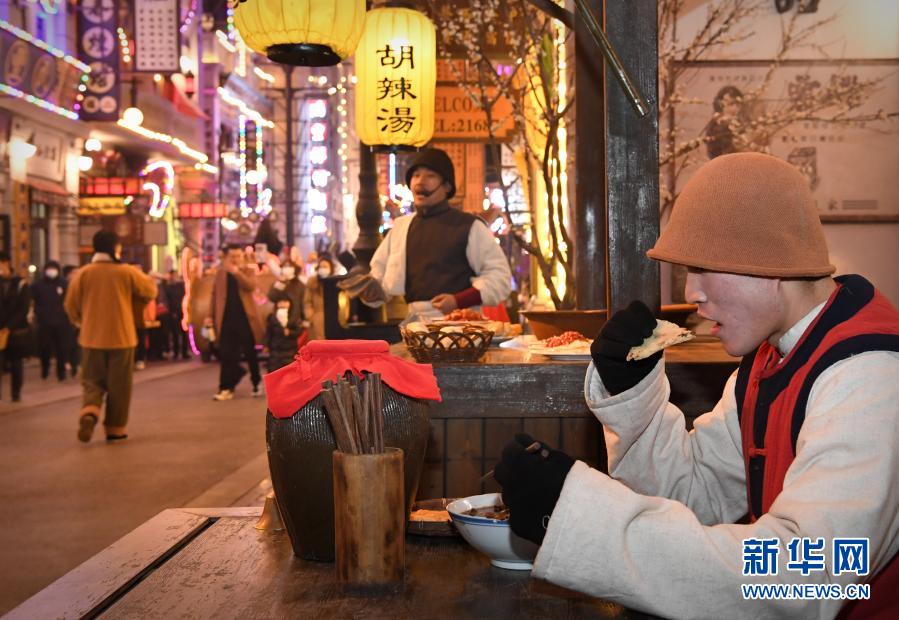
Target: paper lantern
[(311, 33), (396, 76)]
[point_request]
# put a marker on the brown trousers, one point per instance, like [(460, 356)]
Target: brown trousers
[(107, 372)]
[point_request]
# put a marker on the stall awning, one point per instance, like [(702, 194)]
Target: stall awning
[(51, 193)]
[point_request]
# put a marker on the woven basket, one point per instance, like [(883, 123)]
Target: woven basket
[(441, 345)]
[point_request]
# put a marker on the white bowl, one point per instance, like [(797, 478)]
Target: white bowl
[(492, 537)]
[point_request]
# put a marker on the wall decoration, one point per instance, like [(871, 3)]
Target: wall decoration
[(37, 72), (157, 36), (97, 46), (851, 165)]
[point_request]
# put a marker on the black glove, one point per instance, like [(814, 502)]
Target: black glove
[(627, 328), (532, 482)]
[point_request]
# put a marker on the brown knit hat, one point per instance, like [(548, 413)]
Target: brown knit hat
[(746, 213)]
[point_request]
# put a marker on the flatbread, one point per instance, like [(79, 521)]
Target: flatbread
[(663, 336)]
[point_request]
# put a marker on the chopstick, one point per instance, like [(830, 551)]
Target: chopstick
[(534, 447), (357, 420)]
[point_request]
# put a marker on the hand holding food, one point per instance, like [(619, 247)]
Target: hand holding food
[(532, 482), (444, 302), (626, 329)]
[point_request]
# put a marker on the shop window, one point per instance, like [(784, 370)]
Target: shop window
[(39, 235)]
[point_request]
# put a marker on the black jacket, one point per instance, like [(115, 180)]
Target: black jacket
[(281, 348), (15, 298), (48, 296)]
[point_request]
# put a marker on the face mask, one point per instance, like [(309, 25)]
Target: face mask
[(288, 273), (324, 272), (51, 273), (281, 316)]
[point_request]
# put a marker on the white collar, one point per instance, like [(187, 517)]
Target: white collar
[(792, 335), (102, 257)]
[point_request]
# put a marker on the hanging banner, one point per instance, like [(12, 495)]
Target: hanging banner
[(36, 72), (157, 36), (98, 47)]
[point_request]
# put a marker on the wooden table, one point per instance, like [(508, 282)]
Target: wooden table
[(509, 391), (213, 563)]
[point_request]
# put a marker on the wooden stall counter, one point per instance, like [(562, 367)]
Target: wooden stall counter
[(485, 403), (213, 563)]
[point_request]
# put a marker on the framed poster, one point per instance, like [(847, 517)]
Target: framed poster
[(157, 36), (851, 163)]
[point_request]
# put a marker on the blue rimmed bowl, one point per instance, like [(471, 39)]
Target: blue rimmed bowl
[(492, 537)]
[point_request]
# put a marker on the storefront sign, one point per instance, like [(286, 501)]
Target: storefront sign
[(194, 210), (98, 47), (36, 72), (157, 36), (101, 206), (49, 160), (459, 119), (110, 186)]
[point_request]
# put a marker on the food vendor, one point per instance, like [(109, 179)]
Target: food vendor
[(439, 257), (792, 480)]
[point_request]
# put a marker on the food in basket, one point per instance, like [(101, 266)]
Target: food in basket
[(664, 335), (498, 512), (464, 314)]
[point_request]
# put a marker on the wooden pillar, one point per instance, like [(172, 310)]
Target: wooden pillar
[(632, 161), (590, 163)]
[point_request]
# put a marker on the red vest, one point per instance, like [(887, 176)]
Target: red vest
[(772, 395)]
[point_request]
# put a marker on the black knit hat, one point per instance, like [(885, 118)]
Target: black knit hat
[(439, 162)]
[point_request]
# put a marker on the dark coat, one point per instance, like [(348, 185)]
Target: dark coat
[(281, 348), (246, 282), (293, 290), (48, 296), (15, 299)]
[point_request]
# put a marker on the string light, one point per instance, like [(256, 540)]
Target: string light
[(191, 13), (164, 137), (232, 30), (224, 41), (242, 147), (259, 170), (125, 44), (268, 77), (15, 92), (206, 168), (245, 110)]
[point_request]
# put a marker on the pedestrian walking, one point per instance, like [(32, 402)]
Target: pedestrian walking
[(282, 335), (289, 285), (180, 345), (74, 359), (314, 299), (15, 299), (103, 299), (53, 326), (236, 320)]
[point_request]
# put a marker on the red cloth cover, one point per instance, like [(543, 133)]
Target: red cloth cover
[(289, 388), (495, 313)]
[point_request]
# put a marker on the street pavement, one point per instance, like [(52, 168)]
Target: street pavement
[(62, 501)]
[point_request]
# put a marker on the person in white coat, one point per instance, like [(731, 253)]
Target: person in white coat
[(439, 258), (792, 480)]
